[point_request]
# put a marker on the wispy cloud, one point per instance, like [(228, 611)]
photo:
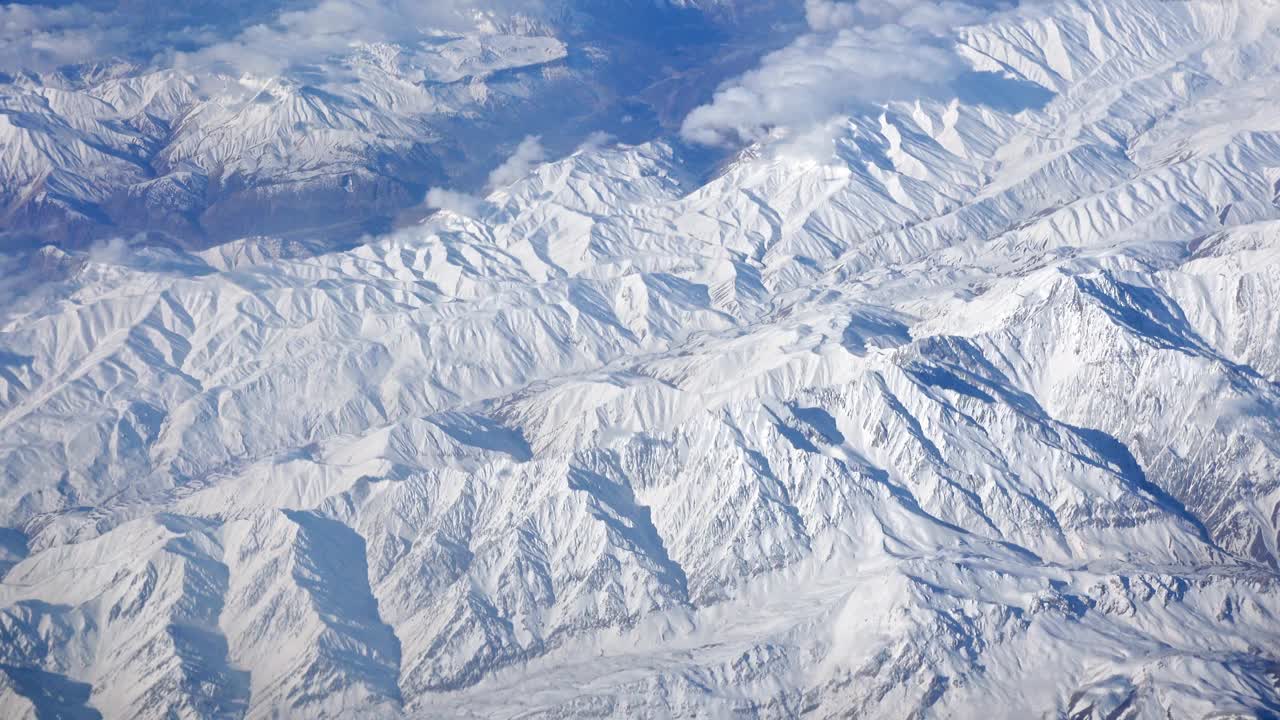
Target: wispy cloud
[(453, 201), (862, 51), (41, 38), (265, 38), (333, 26), (527, 155)]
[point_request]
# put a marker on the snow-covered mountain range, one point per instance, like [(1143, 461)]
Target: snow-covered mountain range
[(959, 398), (232, 141)]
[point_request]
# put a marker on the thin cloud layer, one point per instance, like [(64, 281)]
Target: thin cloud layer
[(332, 26), (862, 51), (41, 38), (236, 35), (932, 17)]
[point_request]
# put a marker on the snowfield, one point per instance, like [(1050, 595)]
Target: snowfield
[(976, 415)]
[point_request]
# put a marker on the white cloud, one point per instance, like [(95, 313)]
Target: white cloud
[(42, 38), (332, 27), (930, 16), (856, 52), (528, 154), (329, 27), (595, 141), (454, 201), (817, 77), (112, 251), (825, 15), (265, 38)]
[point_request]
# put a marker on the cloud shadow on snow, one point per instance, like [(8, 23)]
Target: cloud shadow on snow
[(51, 694), (1000, 92)]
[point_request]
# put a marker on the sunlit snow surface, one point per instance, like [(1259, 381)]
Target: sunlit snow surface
[(977, 417)]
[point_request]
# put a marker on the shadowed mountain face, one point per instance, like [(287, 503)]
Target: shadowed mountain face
[(925, 366)]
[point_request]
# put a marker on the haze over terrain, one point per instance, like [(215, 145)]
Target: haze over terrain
[(702, 358)]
